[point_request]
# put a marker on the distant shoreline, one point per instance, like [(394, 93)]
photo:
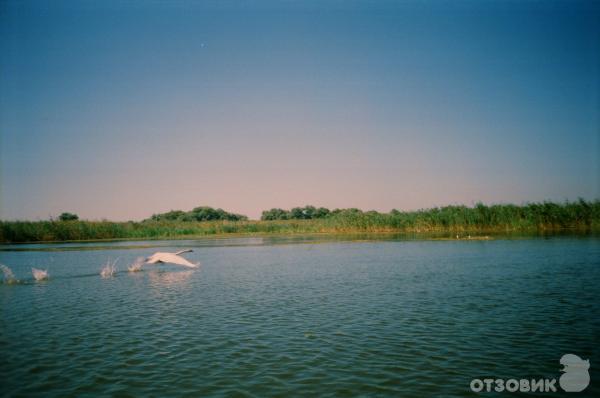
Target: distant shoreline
[(537, 218), (320, 237)]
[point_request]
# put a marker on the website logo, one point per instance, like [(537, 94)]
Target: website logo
[(575, 378)]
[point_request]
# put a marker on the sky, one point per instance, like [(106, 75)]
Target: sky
[(120, 110)]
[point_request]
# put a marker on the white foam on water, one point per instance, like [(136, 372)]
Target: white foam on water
[(39, 274), (8, 276), (137, 265), (109, 270)]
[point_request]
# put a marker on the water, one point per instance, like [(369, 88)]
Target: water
[(39, 274), (137, 265), (397, 318), (109, 270), (8, 277)]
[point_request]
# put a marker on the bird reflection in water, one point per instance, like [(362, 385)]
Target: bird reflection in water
[(169, 278)]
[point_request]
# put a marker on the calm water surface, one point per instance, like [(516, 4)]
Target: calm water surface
[(397, 318)]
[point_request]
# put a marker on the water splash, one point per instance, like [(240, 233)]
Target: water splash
[(137, 265), (8, 276), (109, 270), (39, 274)]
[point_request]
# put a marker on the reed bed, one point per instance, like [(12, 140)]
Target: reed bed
[(581, 216)]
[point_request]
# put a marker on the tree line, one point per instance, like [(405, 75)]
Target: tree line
[(202, 213), (580, 212)]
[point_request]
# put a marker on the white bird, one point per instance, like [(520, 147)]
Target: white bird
[(173, 258), (39, 274)]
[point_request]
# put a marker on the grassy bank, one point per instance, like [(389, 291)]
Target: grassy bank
[(534, 217)]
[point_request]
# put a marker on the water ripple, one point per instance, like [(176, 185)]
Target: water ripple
[(407, 319)]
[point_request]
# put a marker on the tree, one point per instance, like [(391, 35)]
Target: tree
[(68, 217), (321, 212), (173, 215), (202, 213), (275, 214), (297, 213)]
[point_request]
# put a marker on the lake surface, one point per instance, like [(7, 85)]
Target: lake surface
[(268, 317)]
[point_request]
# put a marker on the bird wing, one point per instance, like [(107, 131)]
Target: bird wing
[(155, 258), (175, 259), (184, 251)]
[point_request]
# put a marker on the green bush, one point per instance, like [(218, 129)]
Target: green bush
[(68, 217)]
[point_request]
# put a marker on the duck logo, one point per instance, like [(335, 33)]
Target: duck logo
[(576, 377)]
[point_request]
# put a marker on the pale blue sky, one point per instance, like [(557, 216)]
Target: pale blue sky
[(123, 109)]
